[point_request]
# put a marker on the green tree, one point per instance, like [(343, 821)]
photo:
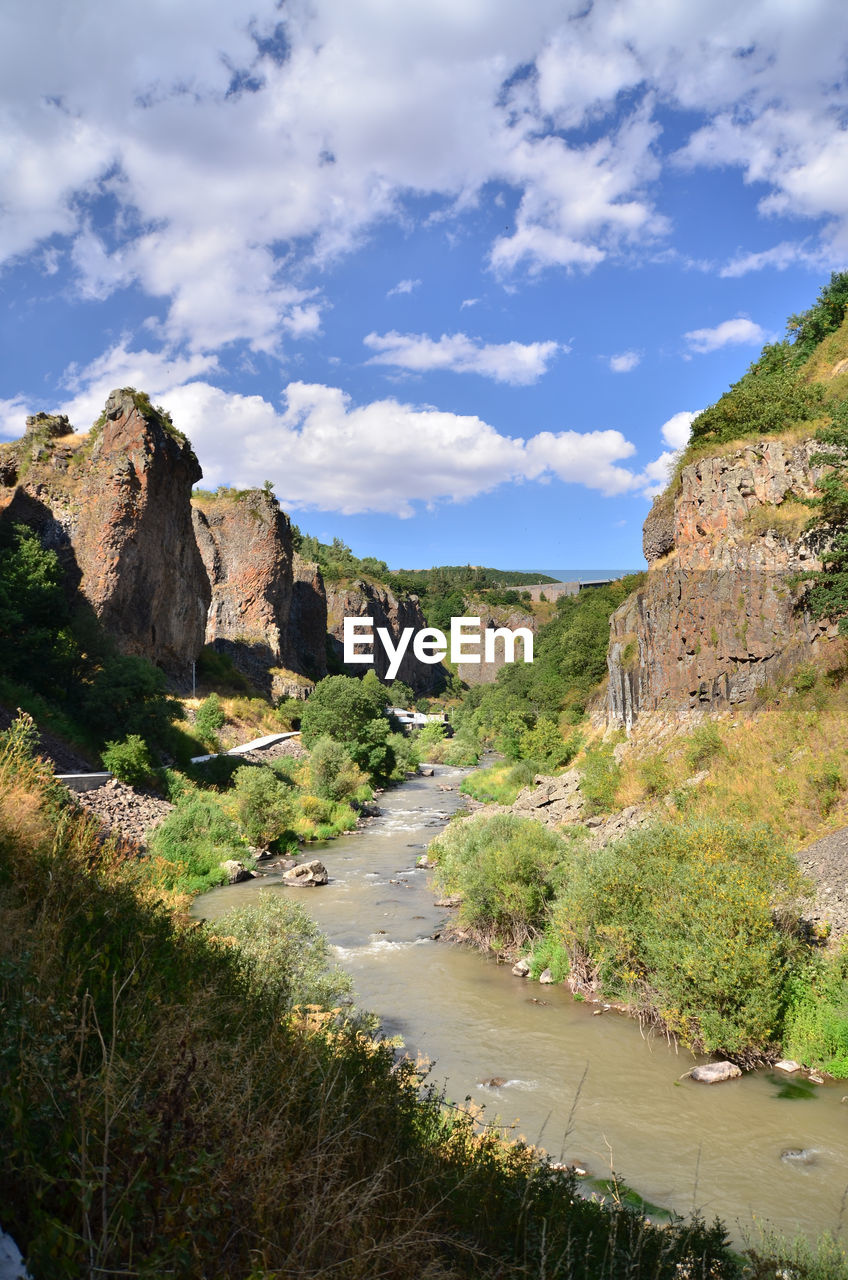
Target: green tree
[(262, 804), (333, 773), (340, 707), (209, 718), (828, 597)]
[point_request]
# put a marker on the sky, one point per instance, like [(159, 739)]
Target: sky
[(454, 275)]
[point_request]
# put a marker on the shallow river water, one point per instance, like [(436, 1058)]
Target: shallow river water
[(586, 1087)]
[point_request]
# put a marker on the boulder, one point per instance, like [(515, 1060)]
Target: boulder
[(546, 977), (236, 871), (521, 969), (307, 873), (715, 1072), (789, 1065), (451, 902)]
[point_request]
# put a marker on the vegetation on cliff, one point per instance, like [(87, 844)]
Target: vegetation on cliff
[(165, 1110)]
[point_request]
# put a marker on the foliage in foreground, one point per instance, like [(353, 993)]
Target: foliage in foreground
[(161, 1112)]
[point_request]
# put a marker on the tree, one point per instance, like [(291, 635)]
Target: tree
[(343, 708)]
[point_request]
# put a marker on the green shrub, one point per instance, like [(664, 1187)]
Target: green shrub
[(505, 870), (680, 918), (654, 775), (288, 952), (209, 719), (816, 1024), (600, 777), (332, 772), (705, 743), (461, 752), (192, 842), (827, 782), (500, 783), (545, 742), (550, 953), (262, 803), (130, 761)]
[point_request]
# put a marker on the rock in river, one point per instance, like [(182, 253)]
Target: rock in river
[(521, 969), (715, 1072), (307, 873)]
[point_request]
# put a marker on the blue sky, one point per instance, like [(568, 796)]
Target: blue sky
[(453, 274)]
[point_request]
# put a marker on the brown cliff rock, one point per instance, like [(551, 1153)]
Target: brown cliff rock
[(483, 672), (115, 505), (246, 544), (723, 614), (363, 599), (306, 641)]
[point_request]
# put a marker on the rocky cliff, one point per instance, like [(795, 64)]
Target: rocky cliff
[(363, 599), (268, 610), (114, 503), (483, 672), (721, 612)]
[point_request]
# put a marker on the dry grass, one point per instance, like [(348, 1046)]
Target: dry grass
[(787, 519), (786, 764)]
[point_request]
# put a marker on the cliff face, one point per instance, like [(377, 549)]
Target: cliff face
[(306, 642), (719, 614), (245, 541), (483, 672), (115, 505), (268, 609), (367, 600)]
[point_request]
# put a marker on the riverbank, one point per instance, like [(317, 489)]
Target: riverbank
[(586, 1086)]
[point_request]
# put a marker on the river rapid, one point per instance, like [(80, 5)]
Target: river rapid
[(759, 1151)]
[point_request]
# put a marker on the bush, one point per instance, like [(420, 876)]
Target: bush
[(332, 772), (600, 778), (816, 1024), (342, 708), (262, 803), (505, 870), (288, 952), (705, 744), (461, 752), (209, 719), (130, 761), (500, 783), (192, 842), (679, 918)]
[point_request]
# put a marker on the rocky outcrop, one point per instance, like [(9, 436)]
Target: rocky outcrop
[(246, 544), (723, 613), (364, 599), (483, 672), (115, 505), (306, 639)]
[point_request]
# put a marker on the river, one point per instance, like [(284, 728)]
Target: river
[(587, 1087)]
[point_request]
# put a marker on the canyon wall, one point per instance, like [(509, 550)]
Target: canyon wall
[(364, 599), (722, 610), (114, 504)]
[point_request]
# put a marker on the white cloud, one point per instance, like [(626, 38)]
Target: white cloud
[(13, 416), (225, 196), (677, 430), (468, 302), (740, 331), (403, 286), (624, 362), (518, 363), (779, 257)]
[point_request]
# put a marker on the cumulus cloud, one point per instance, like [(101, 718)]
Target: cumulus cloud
[(625, 361), (677, 430), (518, 363), (231, 171), (738, 332)]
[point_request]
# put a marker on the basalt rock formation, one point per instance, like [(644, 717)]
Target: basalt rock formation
[(363, 599), (115, 506), (722, 610), (268, 611), (483, 672)]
